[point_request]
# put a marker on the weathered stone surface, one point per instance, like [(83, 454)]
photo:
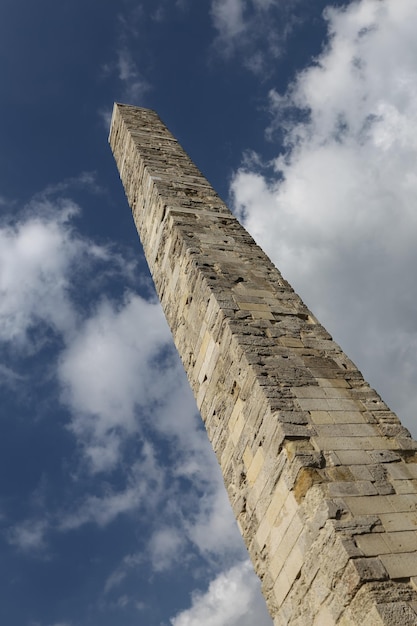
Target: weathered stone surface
[(320, 473)]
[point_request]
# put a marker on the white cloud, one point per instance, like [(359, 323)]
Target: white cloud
[(105, 117), (228, 17), (232, 599), (213, 529), (254, 29), (143, 489), (129, 562), (103, 510), (205, 517), (35, 256), (9, 377), (84, 180), (135, 86), (125, 66), (111, 367), (338, 214), (28, 535), (165, 546), (40, 257)]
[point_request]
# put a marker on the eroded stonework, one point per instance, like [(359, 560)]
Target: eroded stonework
[(321, 475)]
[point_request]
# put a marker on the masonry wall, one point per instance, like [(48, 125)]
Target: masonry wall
[(321, 475)]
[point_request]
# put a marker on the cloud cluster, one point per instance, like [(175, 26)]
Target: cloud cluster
[(125, 392), (336, 209), (29, 535), (228, 17), (242, 25), (233, 598), (108, 370), (35, 255), (104, 356), (135, 86), (143, 489)]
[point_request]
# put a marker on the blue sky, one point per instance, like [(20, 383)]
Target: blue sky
[(302, 116)]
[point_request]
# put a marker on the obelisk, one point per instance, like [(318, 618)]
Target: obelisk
[(321, 475)]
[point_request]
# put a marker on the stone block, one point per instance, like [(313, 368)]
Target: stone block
[(396, 522), (256, 466), (400, 565)]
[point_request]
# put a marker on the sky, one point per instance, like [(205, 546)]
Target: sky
[(302, 116)]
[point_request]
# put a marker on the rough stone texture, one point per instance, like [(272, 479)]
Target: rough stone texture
[(321, 475)]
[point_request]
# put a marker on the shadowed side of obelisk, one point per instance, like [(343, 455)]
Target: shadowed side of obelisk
[(320, 473)]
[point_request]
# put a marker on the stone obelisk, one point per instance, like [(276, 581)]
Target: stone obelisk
[(321, 475)]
